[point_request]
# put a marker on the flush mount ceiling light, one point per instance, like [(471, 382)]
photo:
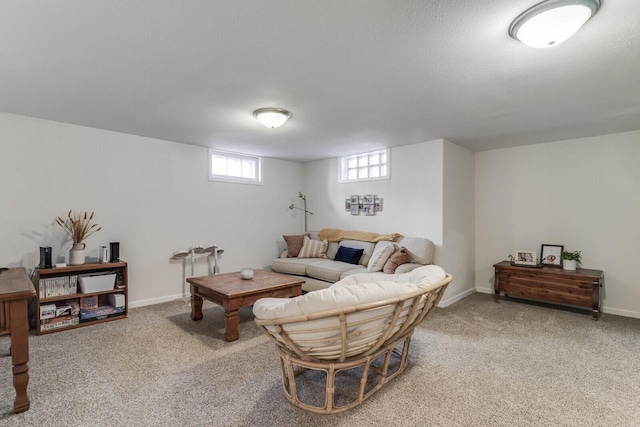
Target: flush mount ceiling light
[(553, 21), (272, 117)]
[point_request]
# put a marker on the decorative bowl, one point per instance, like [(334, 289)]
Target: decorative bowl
[(246, 273)]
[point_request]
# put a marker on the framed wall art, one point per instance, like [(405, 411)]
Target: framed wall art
[(369, 209), (378, 204), (550, 254)]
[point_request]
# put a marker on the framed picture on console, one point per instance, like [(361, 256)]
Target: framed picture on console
[(524, 257), (550, 254)]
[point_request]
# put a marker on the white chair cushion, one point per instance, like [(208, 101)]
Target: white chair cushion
[(321, 337), (352, 290)]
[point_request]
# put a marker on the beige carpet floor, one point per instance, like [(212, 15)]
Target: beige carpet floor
[(475, 363)]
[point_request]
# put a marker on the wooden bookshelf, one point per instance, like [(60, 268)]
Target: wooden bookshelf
[(121, 287)]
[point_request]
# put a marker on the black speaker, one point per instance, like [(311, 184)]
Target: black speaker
[(114, 251), (45, 257)]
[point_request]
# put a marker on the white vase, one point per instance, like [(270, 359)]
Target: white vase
[(569, 264), (76, 254)]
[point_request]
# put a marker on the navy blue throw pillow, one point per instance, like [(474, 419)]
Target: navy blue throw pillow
[(350, 255)]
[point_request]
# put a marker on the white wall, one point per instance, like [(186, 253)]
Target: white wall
[(458, 249), (582, 193), (152, 196), (412, 203), (430, 194)]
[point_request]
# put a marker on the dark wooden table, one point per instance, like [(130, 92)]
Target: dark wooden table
[(580, 287), (15, 290), (232, 292)]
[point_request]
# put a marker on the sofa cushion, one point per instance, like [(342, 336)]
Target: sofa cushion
[(332, 250), (381, 254), (399, 257), (294, 244), (357, 244), (328, 270), (297, 266), (349, 255), (359, 270), (421, 250), (312, 248)]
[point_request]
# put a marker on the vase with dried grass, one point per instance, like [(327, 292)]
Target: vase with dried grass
[(78, 226)]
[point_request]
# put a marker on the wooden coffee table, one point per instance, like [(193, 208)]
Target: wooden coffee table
[(232, 292)]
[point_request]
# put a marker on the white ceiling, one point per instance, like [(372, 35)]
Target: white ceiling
[(356, 74)]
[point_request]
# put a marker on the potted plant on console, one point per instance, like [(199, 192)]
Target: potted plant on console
[(78, 226), (570, 259)]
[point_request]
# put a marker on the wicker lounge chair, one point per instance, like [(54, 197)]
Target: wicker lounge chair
[(360, 326)]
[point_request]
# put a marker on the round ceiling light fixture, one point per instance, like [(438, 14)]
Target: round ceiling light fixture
[(551, 22), (272, 117)]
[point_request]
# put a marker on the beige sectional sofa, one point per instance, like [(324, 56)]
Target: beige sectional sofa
[(322, 272)]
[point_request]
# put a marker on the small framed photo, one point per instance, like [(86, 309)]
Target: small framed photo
[(347, 205), (355, 208), (369, 209), (550, 254), (368, 199), (355, 199), (525, 257), (378, 204)]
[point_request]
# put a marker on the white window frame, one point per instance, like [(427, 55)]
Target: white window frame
[(256, 180), (343, 166)]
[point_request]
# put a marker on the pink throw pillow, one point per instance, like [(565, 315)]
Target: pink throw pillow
[(399, 257), (294, 244)]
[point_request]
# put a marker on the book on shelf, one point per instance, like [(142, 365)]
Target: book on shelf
[(57, 319), (102, 312), (58, 286), (57, 323), (89, 303)]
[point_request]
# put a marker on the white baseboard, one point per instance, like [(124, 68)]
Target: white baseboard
[(158, 300), (443, 302), (447, 302), (485, 290), (619, 312), (608, 310)]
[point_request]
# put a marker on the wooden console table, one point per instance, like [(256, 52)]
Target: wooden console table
[(15, 290), (552, 284)]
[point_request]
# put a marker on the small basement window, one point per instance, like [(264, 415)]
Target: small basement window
[(233, 167), (365, 166)]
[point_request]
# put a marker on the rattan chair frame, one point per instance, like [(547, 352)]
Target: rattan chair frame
[(407, 312)]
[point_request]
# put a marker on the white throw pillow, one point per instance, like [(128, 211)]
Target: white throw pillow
[(312, 248), (380, 257)]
